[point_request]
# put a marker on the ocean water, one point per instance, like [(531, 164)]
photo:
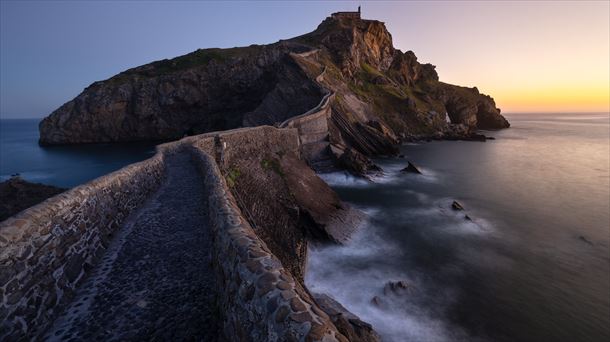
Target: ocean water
[(64, 166), (532, 265)]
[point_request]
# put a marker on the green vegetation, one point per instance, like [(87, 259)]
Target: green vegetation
[(272, 164), (200, 57), (232, 176), (391, 100)]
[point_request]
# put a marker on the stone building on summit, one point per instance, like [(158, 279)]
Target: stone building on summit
[(352, 15)]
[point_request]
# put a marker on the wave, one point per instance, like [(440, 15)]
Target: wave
[(416, 314)]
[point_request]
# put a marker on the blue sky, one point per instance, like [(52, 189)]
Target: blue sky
[(51, 50)]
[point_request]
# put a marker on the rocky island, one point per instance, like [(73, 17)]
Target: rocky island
[(381, 94), (255, 124)]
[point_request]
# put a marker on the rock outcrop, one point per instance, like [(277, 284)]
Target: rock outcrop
[(17, 194), (383, 95), (346, 322), (411, 168)]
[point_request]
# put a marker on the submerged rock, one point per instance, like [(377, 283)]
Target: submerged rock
[(585, 240), (411, 168)]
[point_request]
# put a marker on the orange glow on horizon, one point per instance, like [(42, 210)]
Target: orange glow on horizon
[(533, 56), (557, 99)]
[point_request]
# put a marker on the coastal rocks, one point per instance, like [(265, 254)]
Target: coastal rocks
[(469, 107), (391, 289), (346, 322), (455, 205), (411, 168), (371, 138), (18, 194), (396, 288), (354, 161)]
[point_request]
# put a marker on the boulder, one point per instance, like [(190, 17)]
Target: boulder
[(18, 194), (411, 169), (376, 301), (354, 161), (346, 322), (396, 287), (456, 206)]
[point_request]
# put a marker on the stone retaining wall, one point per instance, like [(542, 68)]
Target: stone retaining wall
[(46, 250), (260, 300)]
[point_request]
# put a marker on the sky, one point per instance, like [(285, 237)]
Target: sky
[(547, 56)]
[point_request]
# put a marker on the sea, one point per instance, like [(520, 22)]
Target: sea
[(531, 264), (63, 166)]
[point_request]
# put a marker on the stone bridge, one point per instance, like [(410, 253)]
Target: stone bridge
[(313, 130), (160, 250)]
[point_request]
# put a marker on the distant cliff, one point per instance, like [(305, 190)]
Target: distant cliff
[(382, 94)]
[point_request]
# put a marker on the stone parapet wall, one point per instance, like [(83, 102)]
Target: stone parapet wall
[(46, 250), (256, 141), (260, 300)]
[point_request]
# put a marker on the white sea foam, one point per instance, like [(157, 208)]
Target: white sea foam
[(343, 179), (354, 274)]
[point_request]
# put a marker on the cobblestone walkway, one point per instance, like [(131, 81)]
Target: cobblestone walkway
[(154, 282)]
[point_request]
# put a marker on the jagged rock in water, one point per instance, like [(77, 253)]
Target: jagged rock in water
[(456, 206), (354, 161), (396, 287), (346, 322), (376, 301), (411, 169)]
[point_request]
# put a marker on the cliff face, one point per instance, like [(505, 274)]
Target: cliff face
[(383, 94), (207, 90), (386, 89)]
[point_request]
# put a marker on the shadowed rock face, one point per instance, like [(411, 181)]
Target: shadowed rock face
[(218, 89), (17, 194), (207, 90)]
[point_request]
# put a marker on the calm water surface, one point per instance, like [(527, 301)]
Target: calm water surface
[(64, 166), (532, 265)]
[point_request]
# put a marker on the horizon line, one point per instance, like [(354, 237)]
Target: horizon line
[(503, 113)]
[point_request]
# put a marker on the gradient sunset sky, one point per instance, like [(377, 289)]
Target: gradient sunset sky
[(530, 56)]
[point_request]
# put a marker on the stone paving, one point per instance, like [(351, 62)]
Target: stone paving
[(155, 281)]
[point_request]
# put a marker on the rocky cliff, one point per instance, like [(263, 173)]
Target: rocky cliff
[(383, 95), (17, 194)]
